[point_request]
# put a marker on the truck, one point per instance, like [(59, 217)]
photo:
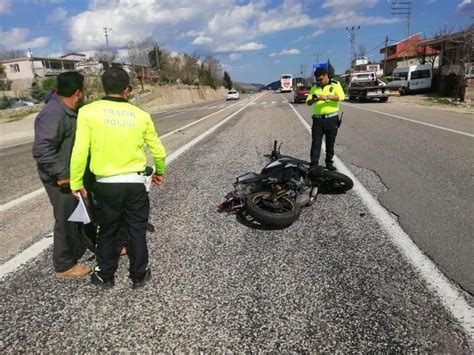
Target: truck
[(411, 78), (365, 86)]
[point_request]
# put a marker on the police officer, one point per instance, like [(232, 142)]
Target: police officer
[(325, 96), (114, 133)]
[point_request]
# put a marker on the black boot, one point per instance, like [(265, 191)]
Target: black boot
[(330, 166), (141, 282)]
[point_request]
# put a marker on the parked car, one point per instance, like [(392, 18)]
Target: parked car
[(233, 95), (300, 94), (19, 102)]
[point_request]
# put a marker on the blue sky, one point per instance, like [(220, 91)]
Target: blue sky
[(255, 40)]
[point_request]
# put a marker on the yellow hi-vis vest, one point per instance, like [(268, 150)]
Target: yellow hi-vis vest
[(114, 133), (322, 107)]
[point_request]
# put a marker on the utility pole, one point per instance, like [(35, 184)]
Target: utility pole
[(157, 62), (385, 56), (403, 8), (352, 37), (106, 33), (316, 55)]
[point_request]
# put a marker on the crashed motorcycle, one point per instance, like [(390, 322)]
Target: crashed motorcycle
[(275, 196)]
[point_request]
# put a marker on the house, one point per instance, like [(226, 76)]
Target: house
[(409, 51), (456, 64), (364, 65), (79, 57), (22, 72)]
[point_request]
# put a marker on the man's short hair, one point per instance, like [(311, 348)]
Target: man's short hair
[(115, 80), (69, 82), (320, 71)]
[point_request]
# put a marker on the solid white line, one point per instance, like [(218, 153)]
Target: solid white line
[(16, 145), (26, 255), (21, 199), (34, 250), (33, 194), (449, 294), (410, 120)]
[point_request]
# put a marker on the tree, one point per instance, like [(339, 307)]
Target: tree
[(37, 92), (12, 53), (227, 81), (103, 54), (362, 51), (155, 56), (138, 51)]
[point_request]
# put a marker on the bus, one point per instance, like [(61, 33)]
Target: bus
[(286, 83)]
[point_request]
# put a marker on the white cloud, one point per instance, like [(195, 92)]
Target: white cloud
[(17, 38), (349, 3), (466, 6), (232, 47), (59, 14), (286, 52), (5, 7), (235, 57), (317, 33), (202, 40)]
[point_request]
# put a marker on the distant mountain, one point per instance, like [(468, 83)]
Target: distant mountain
[(250, 86)]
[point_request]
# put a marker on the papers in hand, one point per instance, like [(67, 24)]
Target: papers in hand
[(81, 213)]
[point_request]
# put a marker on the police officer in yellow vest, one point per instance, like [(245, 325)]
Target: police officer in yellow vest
[(113, 133), (325, 96)]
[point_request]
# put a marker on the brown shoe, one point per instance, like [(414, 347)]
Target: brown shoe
[(75, 271), (123, 251)]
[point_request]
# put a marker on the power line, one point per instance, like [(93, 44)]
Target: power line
[(106, 33), (352, 37), (403, 8)]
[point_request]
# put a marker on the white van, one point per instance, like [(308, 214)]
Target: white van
[(412, 78)]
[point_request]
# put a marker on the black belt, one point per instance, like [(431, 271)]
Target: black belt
[(329, 115)]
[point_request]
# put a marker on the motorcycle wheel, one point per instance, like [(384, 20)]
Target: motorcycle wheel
[(281, 213), (337, 182)]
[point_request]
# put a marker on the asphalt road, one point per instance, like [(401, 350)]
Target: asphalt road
[(332, 282)]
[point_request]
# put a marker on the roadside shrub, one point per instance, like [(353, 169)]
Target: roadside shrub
[(37, 92), (4, 103), (48, 84)]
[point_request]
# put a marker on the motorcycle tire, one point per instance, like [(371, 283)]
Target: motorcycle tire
[(337, 182), (279, 214)]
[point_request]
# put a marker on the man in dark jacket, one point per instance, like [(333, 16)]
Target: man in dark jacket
[(55, 129)]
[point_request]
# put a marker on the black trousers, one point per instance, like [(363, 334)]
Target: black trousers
[(323, 127), (117, 203), (67, 248)]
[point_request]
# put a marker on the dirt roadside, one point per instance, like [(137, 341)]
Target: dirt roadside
[(433, 103)]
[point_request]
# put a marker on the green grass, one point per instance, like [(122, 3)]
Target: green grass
[(17, 116), (439, 100)]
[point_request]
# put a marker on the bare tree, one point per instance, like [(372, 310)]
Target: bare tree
[(362, 49), (138, 51), (12, 53), (103, 54)]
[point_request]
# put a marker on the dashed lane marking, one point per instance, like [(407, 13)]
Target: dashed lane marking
[(34, 250)]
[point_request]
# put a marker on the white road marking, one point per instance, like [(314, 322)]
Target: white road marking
[(450, 295), (274, 102), (195, 122), (34, 250), (33, 194), (13, 203), (263, 102), (411, 120), (26, 255)]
